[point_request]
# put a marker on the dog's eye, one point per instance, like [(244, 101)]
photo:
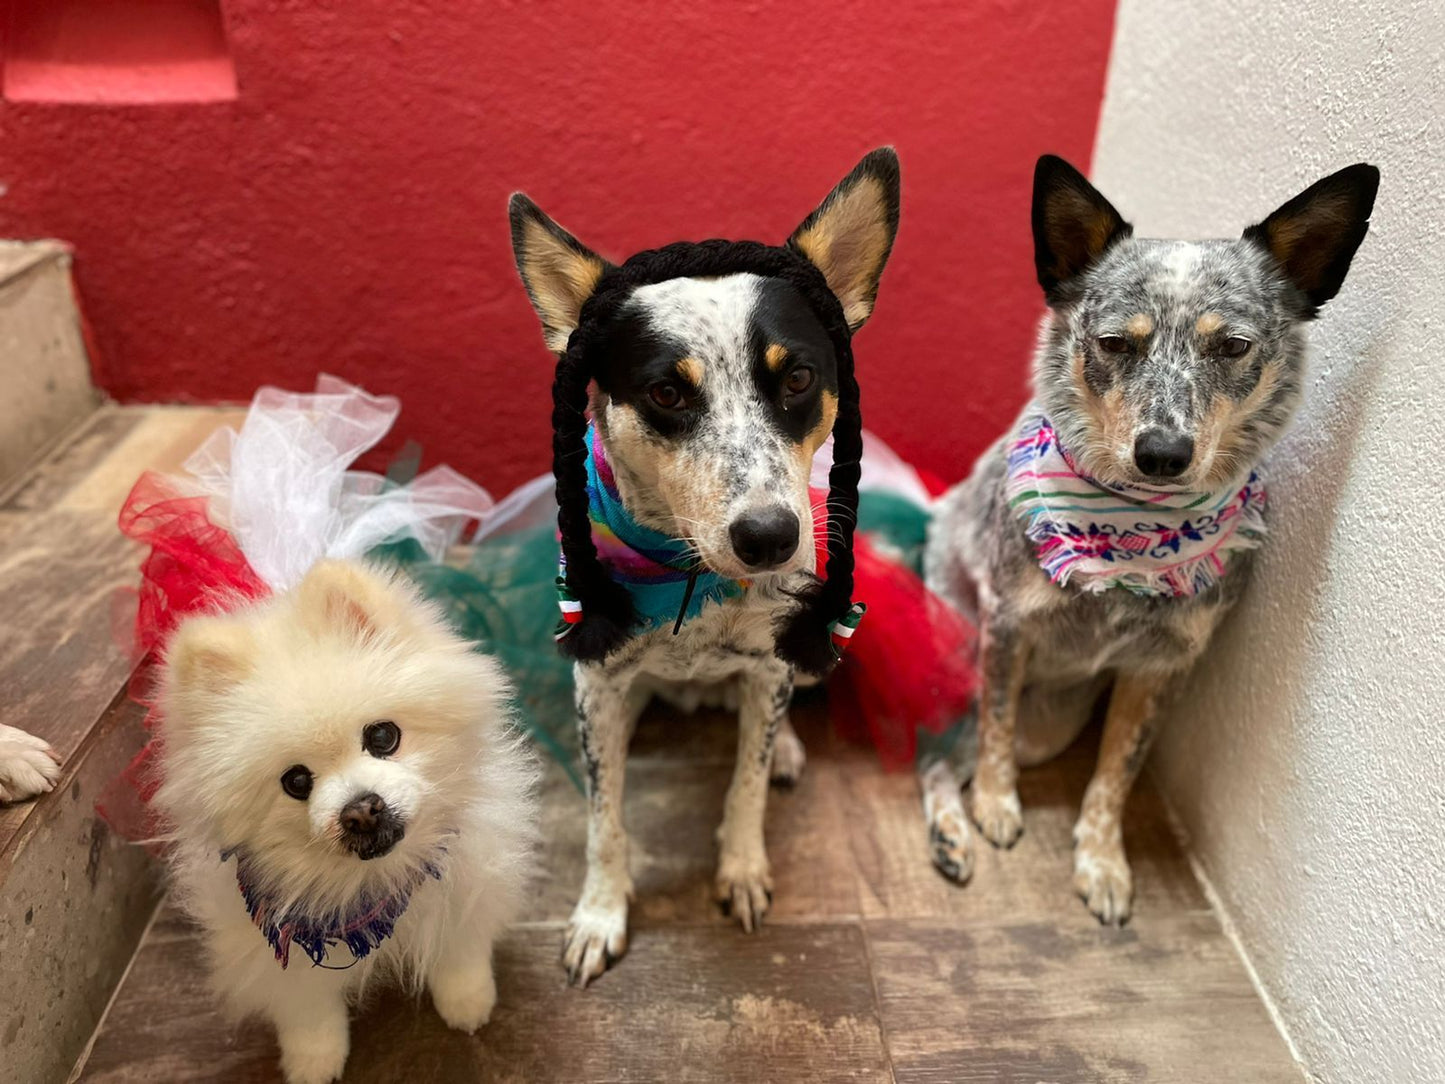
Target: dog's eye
[(1113, 344), (1235, 347), (799, 380), (667, 395), (381, 738), (296, 782)]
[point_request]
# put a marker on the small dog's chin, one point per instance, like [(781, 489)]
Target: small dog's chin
[(374, 847)]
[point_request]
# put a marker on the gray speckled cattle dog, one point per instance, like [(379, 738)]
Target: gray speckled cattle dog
[(1164, 367), (710, 400)]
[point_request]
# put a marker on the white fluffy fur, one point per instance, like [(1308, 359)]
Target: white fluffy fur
[(294, 680)]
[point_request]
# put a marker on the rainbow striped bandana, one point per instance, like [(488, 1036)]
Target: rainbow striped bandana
[(662, 574), (1148, 541)]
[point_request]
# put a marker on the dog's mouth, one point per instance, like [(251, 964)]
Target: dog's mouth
[(375, 846)]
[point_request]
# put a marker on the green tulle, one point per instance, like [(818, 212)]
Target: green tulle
[(501, 594), (896, 523)]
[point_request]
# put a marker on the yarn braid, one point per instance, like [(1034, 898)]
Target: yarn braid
[(608, 617)]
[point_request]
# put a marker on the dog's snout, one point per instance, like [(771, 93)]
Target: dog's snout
[(362, 816), (1161, 453), (369, 826), (766, 538)]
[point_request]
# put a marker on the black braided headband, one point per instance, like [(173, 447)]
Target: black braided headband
[(608, 618)]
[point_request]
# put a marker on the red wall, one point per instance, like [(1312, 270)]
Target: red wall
[(347, 211)]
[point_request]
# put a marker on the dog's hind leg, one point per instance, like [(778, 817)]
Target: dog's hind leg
[(950, 839), (744, 881), (607, 708), (1101, 870)]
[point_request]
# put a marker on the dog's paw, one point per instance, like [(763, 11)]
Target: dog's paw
[(998, 816), (464, 999), (950, 843), (950, 839), (28, 766), (745, 891), (789, 756), (596, 939), (315, 1056), (1103, 880)]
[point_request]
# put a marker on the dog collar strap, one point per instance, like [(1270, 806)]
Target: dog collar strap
[(359, 928), (1149, 542)]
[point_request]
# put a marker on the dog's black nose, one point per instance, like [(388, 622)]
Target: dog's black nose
[(765, 539), (369, 827), (363, 816), (1161, 453)]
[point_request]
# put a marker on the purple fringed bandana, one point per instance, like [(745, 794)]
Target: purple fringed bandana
[(361, 927), (1147, 541)]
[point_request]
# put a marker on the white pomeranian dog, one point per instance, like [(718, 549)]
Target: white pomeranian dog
[(349, 805)]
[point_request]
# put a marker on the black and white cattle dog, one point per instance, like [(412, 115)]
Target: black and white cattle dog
[(1164, 368), (711, 396)]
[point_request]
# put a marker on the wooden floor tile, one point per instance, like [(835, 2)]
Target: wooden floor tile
[(1028, 1002), (672, 811), (1034, 878), (792, 1003)]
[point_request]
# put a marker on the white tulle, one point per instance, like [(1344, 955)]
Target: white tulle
[(283, 487)]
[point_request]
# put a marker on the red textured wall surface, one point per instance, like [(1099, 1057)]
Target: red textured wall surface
[(347, 211)]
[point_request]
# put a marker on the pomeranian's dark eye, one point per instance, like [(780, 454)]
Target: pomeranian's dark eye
[(799, 380), (381, 738), (1113, 344), (1235, 347), (667, 395), (296, 781)]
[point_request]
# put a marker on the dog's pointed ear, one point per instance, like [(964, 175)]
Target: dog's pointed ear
[(1314, 236), (850, 235), (209, 655), (559, 271), (1073, 224)]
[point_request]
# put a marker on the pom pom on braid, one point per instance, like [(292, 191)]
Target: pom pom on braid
[(608, 616)]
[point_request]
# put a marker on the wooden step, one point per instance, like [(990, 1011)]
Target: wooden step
[(44, 366), (871, 966), (73, 898)]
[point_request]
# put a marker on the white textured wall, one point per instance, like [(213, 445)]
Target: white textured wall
[(1307, 757)]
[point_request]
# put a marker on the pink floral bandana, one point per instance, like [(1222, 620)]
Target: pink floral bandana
[(1147, 541)]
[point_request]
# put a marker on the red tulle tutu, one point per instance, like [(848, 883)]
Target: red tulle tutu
[(909, 667), (193, 567)]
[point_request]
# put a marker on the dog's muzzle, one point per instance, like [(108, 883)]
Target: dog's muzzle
[(369, 827)]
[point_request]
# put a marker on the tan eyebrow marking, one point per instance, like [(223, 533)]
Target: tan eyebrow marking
[(1209, 323), (775, 355), (691, 370), (1140, 325)]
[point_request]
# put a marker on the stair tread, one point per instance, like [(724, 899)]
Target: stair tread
[(62, 563), (871, 967)]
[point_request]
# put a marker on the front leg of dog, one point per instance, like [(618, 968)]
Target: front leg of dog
[(597, 933), (28, 766), (1101, 870), (789, 756), (309, 1012), (462, 986), (1003, 657), (744, 881)]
